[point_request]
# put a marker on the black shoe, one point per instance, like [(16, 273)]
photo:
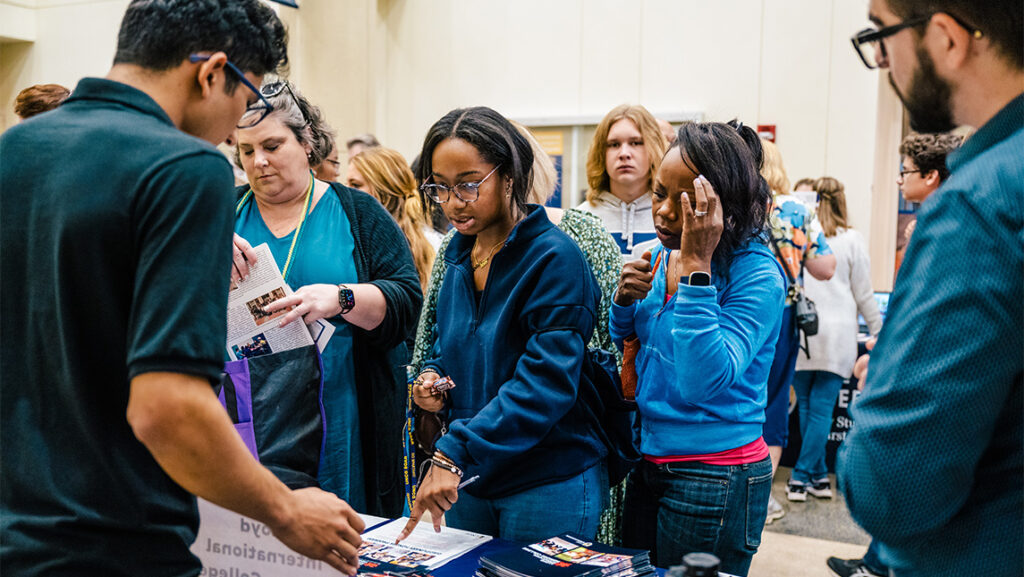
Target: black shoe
[(851, 568)]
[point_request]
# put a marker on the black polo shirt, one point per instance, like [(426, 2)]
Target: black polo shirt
[(115, 231)]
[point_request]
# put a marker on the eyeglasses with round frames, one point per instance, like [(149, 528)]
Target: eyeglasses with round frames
[(864, 42), (466, 191), (263, 105)]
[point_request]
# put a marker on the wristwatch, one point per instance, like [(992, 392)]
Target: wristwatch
[(696, 278), (346, 299)]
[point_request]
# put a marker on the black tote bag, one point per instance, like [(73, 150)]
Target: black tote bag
[(275, 403)]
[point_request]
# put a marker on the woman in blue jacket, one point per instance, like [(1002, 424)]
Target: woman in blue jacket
[(706, 314), (515, 310)]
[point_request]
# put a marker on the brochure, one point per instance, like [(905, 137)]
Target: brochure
[(567, 555), (251, 330), (422, 551)]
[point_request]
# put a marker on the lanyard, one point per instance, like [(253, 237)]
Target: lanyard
[(298, 229)]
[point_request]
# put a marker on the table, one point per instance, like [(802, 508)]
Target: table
[(465, 565)]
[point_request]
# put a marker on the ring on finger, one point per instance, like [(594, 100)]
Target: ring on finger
[(700, 213)]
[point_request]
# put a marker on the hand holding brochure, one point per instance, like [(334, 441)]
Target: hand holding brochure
[(251, 330)]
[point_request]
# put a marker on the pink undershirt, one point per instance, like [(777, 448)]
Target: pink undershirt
[(750, 453)]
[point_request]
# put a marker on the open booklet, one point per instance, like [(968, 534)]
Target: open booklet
[(421, 551), (251, 330)]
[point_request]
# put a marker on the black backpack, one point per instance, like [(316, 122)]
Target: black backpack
[(612, 417)]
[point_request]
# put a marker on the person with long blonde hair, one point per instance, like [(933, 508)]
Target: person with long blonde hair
[(384, 174), (624, 157)]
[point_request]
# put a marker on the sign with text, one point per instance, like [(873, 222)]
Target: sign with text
[(232, 545)]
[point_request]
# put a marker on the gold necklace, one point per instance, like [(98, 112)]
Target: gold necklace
[(479, 264)]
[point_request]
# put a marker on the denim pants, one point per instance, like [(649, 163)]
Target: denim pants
[(780, 377), (873, 559), (690, 507), (816, 393), (574, 505)]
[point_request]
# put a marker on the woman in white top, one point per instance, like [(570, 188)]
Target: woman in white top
[(833, 351), (623, 159)]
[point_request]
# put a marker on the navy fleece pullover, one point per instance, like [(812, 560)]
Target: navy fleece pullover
[(515, 359)]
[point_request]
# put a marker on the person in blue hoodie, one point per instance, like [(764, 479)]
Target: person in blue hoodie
[(705, 307), (515, 311)]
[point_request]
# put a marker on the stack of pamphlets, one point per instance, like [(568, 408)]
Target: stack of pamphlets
[(567, 555)]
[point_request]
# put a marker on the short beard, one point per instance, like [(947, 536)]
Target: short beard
[(928, 101)]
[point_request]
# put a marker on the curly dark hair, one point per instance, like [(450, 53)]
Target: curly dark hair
[(497, 140), (729, 155), (160, 34), (929, 151)]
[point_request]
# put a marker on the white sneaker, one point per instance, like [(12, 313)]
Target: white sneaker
[(775, 511), (796, 491), (820, 488)]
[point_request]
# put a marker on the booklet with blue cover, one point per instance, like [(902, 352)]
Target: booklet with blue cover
[(567, 555)]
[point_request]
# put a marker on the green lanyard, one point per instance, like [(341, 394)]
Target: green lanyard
[(298, 229)]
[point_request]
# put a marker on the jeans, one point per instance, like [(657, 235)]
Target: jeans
[(816, 393), (690, 507), (780, 377), (574, 505), (873, 561)]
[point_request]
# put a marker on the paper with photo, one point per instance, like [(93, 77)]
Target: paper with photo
[(423, 547), (252, 331)]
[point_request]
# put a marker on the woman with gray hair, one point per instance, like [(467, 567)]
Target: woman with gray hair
[(348, 263)]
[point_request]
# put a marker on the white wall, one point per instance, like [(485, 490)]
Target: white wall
[(393, 67), (783, 62), (72, 39)]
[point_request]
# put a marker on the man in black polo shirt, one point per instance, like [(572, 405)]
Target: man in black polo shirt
[(115, 223)]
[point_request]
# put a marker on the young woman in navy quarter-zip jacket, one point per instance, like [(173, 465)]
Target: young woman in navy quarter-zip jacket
[(514, 313)]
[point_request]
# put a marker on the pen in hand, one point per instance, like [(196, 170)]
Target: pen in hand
[(467, 481)]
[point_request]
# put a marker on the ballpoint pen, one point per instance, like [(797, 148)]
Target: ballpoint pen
[(468, 481)]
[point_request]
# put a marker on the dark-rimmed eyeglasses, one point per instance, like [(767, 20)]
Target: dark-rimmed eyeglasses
[(466, 191), (245, 121), (904, 173), (869, 46)]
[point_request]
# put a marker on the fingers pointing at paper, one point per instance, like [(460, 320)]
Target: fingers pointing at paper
[(437, 493)]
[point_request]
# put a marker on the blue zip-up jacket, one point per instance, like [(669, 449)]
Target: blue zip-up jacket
[(516, 358), (705, 355)]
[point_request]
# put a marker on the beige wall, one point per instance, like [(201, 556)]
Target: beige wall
[(72, 39), (393, 67)]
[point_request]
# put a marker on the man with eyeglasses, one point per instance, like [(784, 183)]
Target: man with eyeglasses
[(934, 467), (116, 233)]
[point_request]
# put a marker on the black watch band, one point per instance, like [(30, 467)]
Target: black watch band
[(696, 278), (346, 299)]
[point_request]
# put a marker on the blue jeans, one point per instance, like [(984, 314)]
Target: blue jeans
[(573, 505), (679, 508), (780, 377), (873, 561), (816, 393)]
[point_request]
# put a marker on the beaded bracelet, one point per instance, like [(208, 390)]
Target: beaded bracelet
[(447, 465)]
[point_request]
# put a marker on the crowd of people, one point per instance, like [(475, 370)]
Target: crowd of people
[(685, 264)]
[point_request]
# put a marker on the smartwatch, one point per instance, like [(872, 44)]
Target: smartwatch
[(346, 299), (696, 278)]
